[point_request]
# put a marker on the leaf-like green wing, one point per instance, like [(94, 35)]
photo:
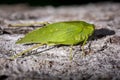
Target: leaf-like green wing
[(58, 33)]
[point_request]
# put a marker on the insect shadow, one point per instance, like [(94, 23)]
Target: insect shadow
[(3, 77), (99, 33), (103, 32)]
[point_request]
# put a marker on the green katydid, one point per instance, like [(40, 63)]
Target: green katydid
[(65, 33)]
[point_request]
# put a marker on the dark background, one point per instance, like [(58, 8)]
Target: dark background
[(53, 2)]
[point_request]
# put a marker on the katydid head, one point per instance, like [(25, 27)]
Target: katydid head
[(90, 29)]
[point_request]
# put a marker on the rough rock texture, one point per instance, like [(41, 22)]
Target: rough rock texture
[(52, 63)]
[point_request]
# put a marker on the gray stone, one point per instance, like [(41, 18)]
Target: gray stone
[(51, 62)]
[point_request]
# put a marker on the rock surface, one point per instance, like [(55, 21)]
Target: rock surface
[(52, 63)]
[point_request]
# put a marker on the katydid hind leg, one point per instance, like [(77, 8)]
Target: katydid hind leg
[(25, 51)]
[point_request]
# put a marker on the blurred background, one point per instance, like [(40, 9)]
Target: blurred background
[(53, 2)]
